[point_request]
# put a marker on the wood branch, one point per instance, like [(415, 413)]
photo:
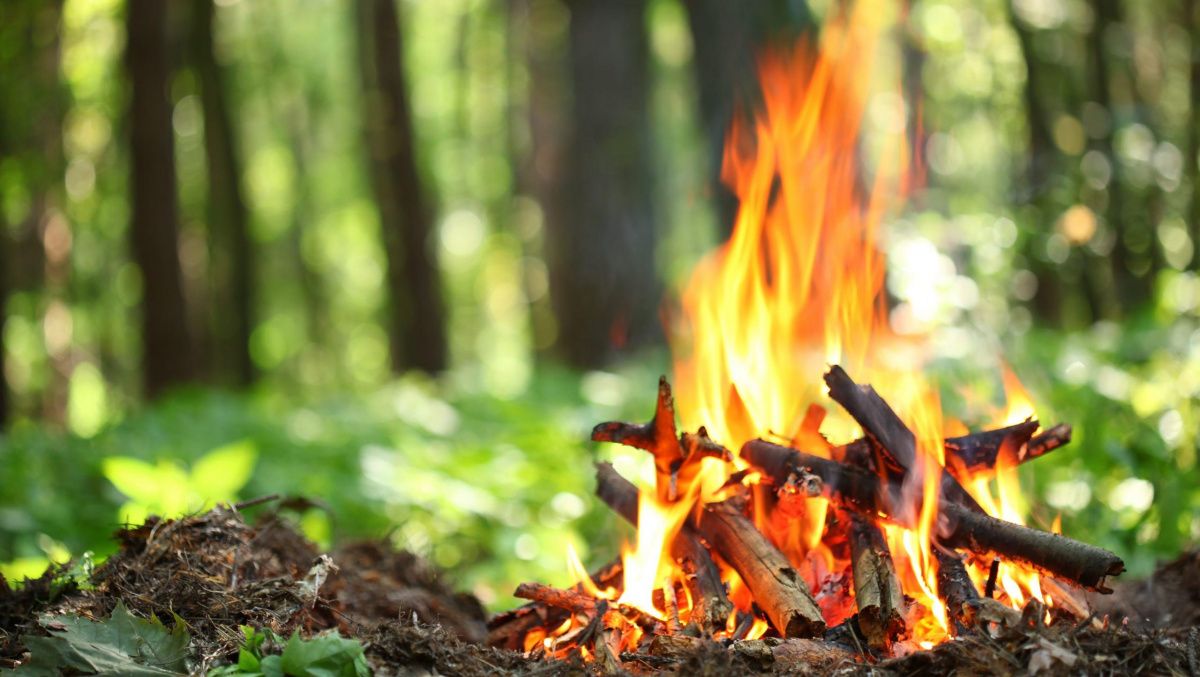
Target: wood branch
[(894, 445), (658, 437), (894, 441), (1053, 554), (711, 606), (955, 589), (959, 526), (568, 600), (1046, 442), (507, 630), (978, 451), (777, 587), (877, 590)]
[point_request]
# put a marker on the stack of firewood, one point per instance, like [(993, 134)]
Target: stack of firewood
[(868, 483)]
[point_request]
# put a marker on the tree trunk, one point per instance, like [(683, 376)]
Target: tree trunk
[(5, 406), (231, 253), (1041, 166), (603, 282), (417, 331), (1191, 165), (167, 345)]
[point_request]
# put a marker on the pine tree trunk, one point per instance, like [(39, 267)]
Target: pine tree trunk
[(417, 331), (603, 283), (231, 251), (167, 357)]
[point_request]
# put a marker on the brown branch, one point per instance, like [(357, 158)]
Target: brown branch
[(955, 589), (711, 606), (777, 587), (959, 526), (876, 586), (894, 445), (657, 437), (1046, 442), (567, 600), (978, 451)]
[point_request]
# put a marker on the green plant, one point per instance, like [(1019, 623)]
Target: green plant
[(121, 644), (326, 655), (166, 489)]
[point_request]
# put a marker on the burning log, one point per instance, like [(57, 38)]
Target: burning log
[(955, 589), (1053, 554), (876, 586), (877, 591), (567, 600), (1046, 442), (711, 606), (777, 587), (959, 526), (978, 451)]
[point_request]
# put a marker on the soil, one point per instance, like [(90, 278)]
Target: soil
[(216, 571)]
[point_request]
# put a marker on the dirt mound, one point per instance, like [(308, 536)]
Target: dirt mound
[(217, 572)]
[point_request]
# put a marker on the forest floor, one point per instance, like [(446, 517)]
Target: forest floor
[(217, 573)]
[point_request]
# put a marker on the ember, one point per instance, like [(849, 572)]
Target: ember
[(874, 528)]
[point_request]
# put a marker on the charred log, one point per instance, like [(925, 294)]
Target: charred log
[(1053, 554), (978, 451), (955, 589), (959, 526), (876, 587), (567, 600), (777, 587), (711, 606)]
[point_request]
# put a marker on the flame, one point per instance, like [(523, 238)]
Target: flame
[(647, 566), (798, 284), (582, 578)]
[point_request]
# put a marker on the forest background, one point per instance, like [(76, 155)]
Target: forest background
[(397, 256)]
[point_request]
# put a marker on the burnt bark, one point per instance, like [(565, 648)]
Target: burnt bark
[(958, 526), (416, 330), (979, 451), (877, 591), (603, 280), (167, 356), (955, 589), (231, 251)]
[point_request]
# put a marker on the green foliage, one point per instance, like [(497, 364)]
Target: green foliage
[(326, 655), (121, 645), (165, 489)]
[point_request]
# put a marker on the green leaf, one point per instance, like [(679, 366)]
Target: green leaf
[(328, 655), (133, 477), (123, 644), (222, 472)]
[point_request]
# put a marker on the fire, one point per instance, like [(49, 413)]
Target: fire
[(798, 286)]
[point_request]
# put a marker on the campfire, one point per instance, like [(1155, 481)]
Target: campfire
[(801, 506)]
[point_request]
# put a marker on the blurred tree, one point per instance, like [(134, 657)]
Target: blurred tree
[(167, 356), (231, 251), (603, 282), (4, 286), (1132, 241), (39, 259), (417, 330), (1191, 162), (1043, 163)]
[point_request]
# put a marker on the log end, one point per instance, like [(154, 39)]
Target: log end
[(798, 624), (881, 629)]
